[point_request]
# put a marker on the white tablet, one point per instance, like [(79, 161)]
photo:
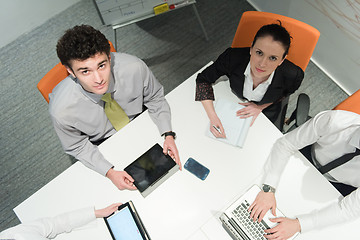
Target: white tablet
[(125, 224)]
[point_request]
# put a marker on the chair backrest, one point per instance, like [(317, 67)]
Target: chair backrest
[(304, 36), (352, 103), (54, 76)]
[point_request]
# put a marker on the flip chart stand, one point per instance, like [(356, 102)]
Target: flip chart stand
[(146, 14)]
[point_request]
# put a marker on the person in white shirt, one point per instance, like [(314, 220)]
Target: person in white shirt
[(332, 134), (48, 228)]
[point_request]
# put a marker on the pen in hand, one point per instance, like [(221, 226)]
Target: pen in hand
[(217, 129)]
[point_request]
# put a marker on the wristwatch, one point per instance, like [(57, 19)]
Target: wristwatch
[(268, 188), (171, 133)]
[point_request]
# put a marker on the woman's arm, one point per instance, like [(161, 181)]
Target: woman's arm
[(214, 119)]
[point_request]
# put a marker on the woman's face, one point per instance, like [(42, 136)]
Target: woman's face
[(266, 56)]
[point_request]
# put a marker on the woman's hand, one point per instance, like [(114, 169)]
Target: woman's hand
[(251, 110), (216, 128)]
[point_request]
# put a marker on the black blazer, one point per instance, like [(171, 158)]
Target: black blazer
[(233, 62)]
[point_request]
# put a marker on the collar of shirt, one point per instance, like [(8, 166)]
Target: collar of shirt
[(96, 98), (258, 93)]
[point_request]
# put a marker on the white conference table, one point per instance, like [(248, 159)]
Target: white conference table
[(184, 207)]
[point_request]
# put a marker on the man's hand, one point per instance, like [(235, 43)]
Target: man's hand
[(286, 228), (263, 202), (251, 110), (121, 179), (171, 149), (104, 212)]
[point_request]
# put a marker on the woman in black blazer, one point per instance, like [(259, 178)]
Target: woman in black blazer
[(259, 75)]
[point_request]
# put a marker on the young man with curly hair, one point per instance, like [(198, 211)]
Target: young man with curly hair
[(77, 104)]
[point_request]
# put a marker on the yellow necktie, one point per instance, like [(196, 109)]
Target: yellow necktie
[(114, 112)]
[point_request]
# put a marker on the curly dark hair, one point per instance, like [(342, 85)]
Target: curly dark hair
[(81, 43), (277, 32)]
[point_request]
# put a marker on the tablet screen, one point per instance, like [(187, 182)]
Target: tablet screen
[(150, 167), (123, 225)]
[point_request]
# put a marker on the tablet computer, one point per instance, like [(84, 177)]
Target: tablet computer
[(151, 169), (125, 224)]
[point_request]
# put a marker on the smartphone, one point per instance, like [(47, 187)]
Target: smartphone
[(196, 168)]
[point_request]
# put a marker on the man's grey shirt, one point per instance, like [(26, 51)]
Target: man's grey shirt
[(79, 118)]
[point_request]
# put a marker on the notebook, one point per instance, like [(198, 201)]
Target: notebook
[(151, 169), (236, 128), (236, 219), (125, 224)]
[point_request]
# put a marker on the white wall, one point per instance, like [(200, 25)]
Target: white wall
[(338, 50), (21, 16)]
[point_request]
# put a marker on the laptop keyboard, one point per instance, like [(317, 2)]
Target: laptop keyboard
[(255, 230)]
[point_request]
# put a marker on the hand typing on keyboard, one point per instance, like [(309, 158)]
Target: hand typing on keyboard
[(285, 229), (263, 202)]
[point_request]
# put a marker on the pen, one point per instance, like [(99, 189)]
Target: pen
[(217, 129)]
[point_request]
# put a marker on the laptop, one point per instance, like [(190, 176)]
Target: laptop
[(151, 169), (125, 224), (237, 222)]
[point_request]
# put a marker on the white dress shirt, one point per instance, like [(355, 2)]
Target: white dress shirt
[(333, 134), (258, 93), (48, 228)]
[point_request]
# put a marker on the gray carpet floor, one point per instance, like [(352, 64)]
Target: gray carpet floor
[(173, 46)]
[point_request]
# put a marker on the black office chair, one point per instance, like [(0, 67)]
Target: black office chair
[(301, 112)]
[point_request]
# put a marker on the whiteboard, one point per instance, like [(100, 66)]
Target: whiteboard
[(337, 52), (115, 12)]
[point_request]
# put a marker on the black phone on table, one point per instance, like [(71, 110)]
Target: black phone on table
[(196, 168)]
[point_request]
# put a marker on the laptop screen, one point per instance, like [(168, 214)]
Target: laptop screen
[(123, 226)]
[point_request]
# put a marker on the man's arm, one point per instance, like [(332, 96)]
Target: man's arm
[(346, 210), (306, 134), (154, 100), (284, 147), (159, 110), (78, 145)]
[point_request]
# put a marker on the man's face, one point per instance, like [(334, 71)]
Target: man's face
[(92, 73)]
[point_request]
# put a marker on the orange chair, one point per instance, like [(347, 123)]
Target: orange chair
[(304, 36), (352, 103), (54, 76)]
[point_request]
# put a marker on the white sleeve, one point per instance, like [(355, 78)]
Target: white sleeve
[(47, 228), (306, 134), (345, 210)]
